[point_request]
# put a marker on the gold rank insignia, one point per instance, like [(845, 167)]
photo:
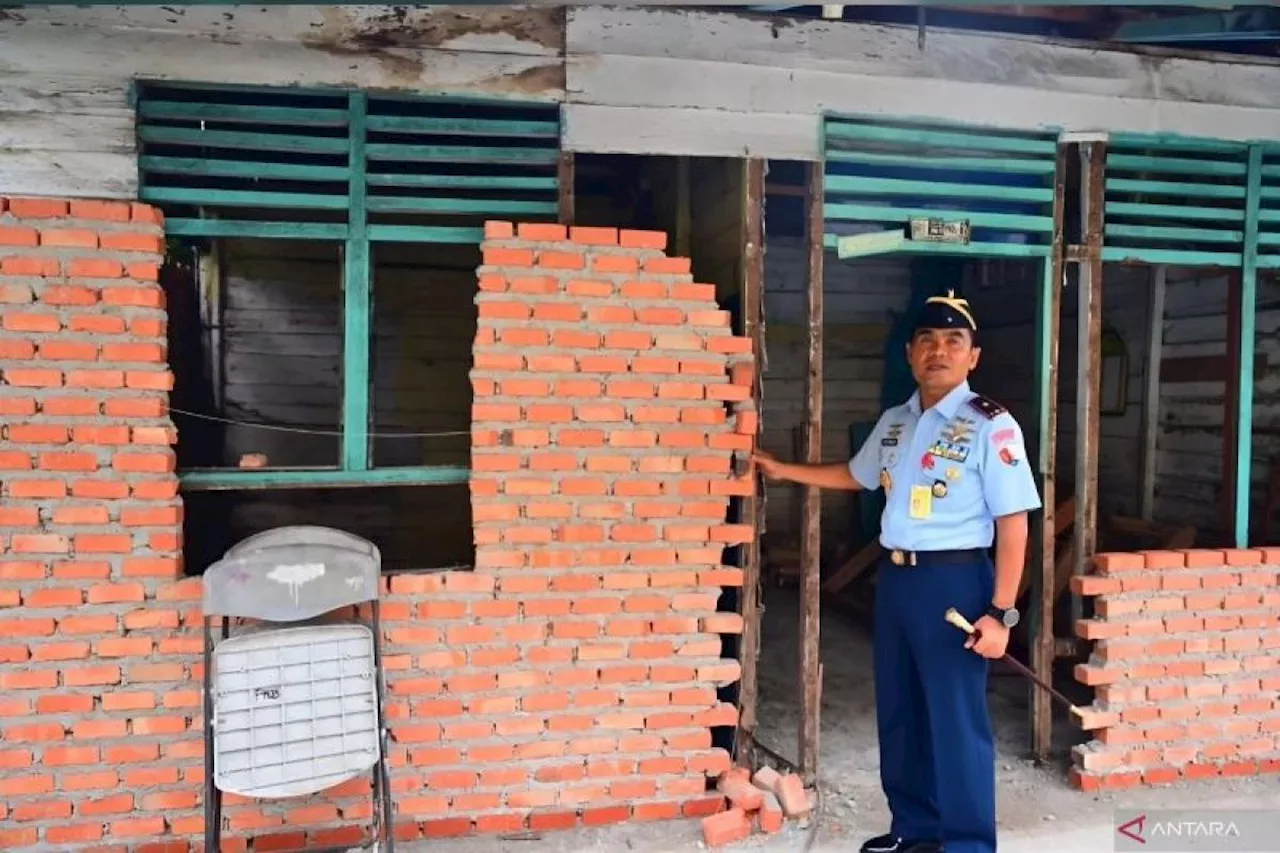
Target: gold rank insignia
[(953, 474), (939, 489)]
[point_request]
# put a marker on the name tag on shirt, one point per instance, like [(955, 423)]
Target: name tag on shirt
[(921, 502)]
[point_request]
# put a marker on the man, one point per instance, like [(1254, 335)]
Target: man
[(954, 468)]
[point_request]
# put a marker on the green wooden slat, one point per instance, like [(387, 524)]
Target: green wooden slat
[(250, 228), (244, 198), (266, 478), (241, 169), (460, 154), (1173, 165), (1270, 193), (1269, 216), (840, 131), (465, 127), (874, 213), (357, 306), (243, 113), (424, 234), (1173, 211), (837, 184), (1174, 142), (1174, 188), (1271, 171), (1190, 258), (490, 206), (1004, 165), (447, 182), (236, 139), (970, 250), (1268, 239), (1248, 343), (1157, 232)]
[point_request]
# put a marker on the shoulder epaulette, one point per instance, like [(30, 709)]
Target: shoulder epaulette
[(989, 408)]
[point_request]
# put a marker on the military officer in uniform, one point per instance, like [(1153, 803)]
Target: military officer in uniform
[(956, 477)]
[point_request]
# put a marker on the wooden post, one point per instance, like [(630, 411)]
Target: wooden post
[(566, 176), (1089, 362), (1151, 395), (811, 531), (1248, 327), (1044, 576), (357, 304), (752, 240), (1232, 383)]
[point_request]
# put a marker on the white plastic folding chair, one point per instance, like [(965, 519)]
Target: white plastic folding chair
[(294, 695)]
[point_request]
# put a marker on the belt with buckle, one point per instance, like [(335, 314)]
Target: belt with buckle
[(900, 557)]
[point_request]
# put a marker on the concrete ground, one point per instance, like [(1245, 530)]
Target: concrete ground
[(1035, 804)]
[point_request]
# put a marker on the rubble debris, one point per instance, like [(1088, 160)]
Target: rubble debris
[(763, 802)]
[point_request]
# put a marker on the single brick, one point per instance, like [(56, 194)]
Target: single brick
[(792, 795), (726, 828)]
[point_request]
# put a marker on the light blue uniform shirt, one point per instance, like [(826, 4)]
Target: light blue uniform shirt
[(967, 453)]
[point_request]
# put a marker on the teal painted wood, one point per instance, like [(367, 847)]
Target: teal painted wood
[(1126, 254), (844, 184), (454, 204), (225, 479), (1175, 165), (1174, 188), (1174, 200), (243, 113), (1269, 208), (460, 182), (244, 198), (1248, 333), (968, 250), (882, 172), (253, 228), (241, 140), (241, 169), (920, 137), (382, 152), (1007, 165), (1160, 232), (357, 306), (875, 213), (1176, 142), (466, 127), (424, 234), (1173, 211), (1044, 356)]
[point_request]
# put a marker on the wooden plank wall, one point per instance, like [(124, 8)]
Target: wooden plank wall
[(1189, 472), (282, 363), (860, 300)]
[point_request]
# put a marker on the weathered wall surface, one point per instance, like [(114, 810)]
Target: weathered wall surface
[(654, 81), (861, 300), (66, 75), (713, 83), (1192, 393)]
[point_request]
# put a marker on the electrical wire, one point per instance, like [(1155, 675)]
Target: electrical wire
[(313, 431)]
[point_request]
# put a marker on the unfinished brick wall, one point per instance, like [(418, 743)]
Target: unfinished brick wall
[(98, 702), (570, 679), (1186, 664)]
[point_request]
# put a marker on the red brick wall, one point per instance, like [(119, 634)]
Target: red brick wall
[(1186, 666), (97, 699), (570, 679)]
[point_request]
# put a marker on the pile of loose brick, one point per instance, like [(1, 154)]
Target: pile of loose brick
[(763, 803)]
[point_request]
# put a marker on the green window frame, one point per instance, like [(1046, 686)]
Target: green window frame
[(348, 166)]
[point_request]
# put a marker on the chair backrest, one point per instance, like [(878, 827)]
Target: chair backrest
[(291, 574)]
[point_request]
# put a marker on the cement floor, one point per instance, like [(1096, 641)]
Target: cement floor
[(1037, 810)]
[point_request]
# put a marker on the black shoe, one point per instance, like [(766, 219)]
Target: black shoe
[(892, 844)]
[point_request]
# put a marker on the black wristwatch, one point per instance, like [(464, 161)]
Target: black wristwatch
[(1006, 616)]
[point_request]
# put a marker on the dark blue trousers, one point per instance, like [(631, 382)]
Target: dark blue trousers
[(937, 751)]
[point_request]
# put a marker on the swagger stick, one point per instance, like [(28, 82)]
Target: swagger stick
[(954, 617)]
